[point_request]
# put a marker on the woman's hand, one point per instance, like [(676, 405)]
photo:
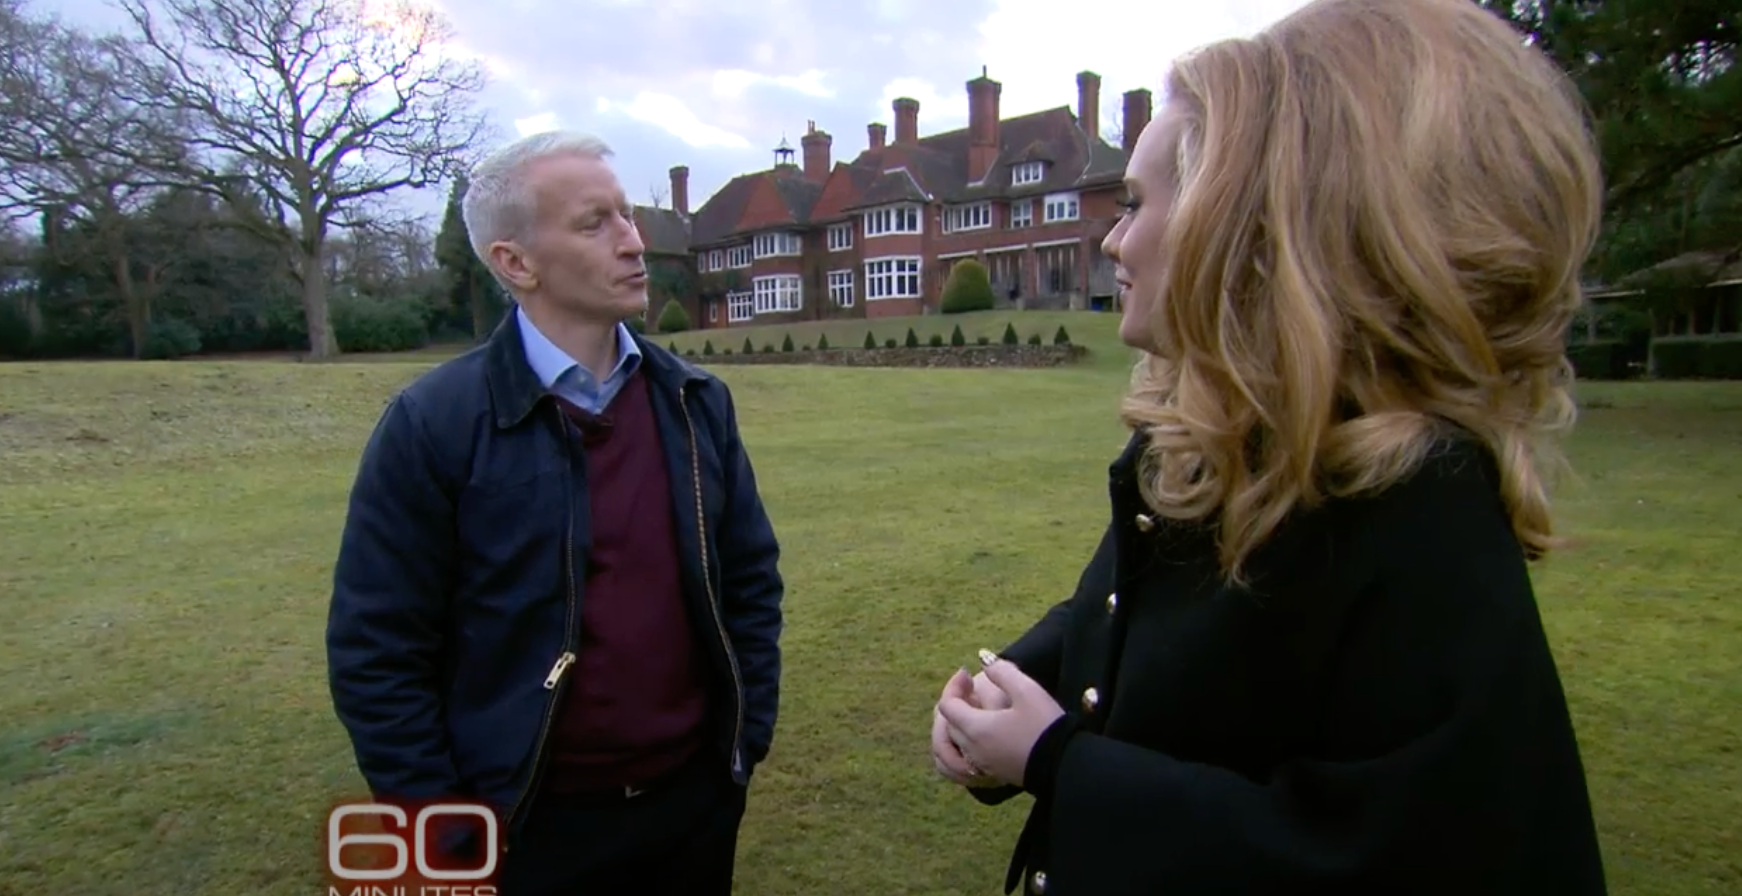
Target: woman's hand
[(946, 756), (996, 741)]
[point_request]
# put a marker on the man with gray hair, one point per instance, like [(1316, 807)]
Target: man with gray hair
[(557, 593)]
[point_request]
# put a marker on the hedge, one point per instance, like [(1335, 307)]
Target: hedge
[(1599, 360), (1697, 357)]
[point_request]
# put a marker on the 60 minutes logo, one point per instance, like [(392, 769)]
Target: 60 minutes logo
[(380, 849)]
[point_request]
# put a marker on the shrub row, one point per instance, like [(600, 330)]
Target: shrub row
[(1669, 357), (1697, 357), (937, 340)]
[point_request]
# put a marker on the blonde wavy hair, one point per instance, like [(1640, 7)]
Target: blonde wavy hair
[(1383, 207)]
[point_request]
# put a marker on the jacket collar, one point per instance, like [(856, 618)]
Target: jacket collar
[(515, 389)]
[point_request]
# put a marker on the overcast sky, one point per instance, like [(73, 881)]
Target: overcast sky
[(716, 84)]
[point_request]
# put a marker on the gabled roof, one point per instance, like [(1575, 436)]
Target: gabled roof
[(777, 197), (937, 168), (847, 183), (933, 169), (663, 230)]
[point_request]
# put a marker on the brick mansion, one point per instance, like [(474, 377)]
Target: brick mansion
[(1030, 197)]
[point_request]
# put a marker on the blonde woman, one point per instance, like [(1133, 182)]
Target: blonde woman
[(1306, 657)]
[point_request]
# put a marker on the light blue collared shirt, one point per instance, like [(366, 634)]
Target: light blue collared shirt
[(566, 378)]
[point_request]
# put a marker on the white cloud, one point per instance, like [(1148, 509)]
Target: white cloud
[(734, 82), (670, 113), (536, 124), (1020, 43), (938, 111)]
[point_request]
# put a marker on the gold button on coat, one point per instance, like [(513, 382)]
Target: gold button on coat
[(1091, 698), (1145, 522), (1038, 882)]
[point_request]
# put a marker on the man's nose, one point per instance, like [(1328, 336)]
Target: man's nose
[(632, 244)]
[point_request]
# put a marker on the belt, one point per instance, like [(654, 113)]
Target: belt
[(629, 792)]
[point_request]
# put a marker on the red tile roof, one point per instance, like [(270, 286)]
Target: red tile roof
[(933, 170)]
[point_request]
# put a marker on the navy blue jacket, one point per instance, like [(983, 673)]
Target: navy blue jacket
[(456, 595)]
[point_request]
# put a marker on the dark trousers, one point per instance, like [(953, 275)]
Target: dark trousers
[(679, 838)]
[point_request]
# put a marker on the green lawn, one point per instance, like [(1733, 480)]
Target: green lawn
[(167, 532)]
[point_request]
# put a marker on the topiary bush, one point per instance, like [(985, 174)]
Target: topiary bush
[(1010, 337), (936, 340), (708, 347), (982, 341), (1034, 339), (967, 289), (870, 341), (748, 348), (1061, 337), (672, 318), (823, 343), (889, 343), (956, 337), (912, 340), (786, 344)]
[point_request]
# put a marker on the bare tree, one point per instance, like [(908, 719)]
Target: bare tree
[(656, 195), (310, 111), (1114, 131), (70, 142)]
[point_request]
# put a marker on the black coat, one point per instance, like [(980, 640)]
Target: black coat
[(1376, 713)]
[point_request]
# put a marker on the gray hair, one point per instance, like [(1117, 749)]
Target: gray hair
[(497, 205)]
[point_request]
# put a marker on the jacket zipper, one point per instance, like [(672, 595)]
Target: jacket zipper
[(563, 661), (708, 582)]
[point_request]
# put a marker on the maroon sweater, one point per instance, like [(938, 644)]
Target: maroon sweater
[(636, 703)]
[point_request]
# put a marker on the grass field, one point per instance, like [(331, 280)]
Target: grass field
[(167, 533)]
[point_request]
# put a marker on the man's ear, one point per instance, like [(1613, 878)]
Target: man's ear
[(511, 262)]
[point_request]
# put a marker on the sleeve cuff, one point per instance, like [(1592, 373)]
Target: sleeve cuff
[(1049, 750)]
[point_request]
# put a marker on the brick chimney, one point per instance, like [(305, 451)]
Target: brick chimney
[(1089, 103), (1137, 107), (816, 152), (906, 121), (680, 190), (876, 135), (983, 93)]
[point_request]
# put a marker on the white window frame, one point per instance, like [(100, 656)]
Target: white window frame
[(740, 306), (714, 312), (841, 237), (893, 277), (889, 220), (778, 293), (1027, 173), (841, 287), (778, 244), (973, 216), (1022, 213), (716, 260), (1062, 207), (738, 256)]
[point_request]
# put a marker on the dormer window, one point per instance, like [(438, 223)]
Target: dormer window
[(1027, 173)]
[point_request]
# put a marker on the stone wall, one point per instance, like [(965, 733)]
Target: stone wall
[(944, 356)]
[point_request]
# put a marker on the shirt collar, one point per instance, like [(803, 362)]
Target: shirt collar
[(551, 363)]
